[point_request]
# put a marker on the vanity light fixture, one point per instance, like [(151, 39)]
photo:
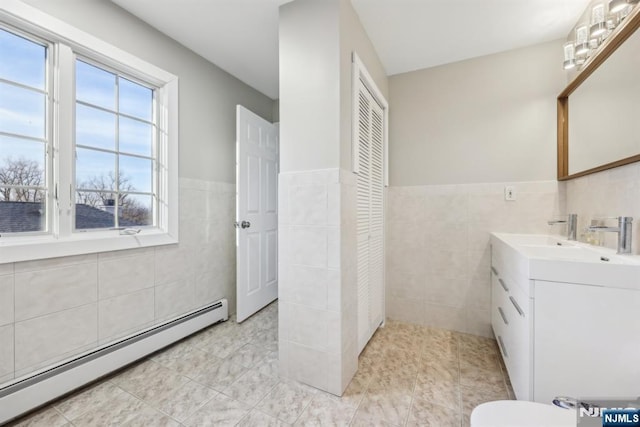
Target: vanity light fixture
[(569, 56), (606, 15), (598, 20)]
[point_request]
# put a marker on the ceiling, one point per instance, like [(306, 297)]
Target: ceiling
[(241, 36)]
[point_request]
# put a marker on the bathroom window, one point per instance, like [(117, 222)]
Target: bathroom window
[(88, 143), (115, 153), (24, 136)]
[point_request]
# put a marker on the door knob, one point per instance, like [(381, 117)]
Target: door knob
[(245, 224)]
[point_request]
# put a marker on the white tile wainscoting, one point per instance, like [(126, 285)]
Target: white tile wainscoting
[(317, 250), (55, 308), (607, 194), (438, 252)]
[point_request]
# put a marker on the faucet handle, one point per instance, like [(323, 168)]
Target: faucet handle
[(572, 225)]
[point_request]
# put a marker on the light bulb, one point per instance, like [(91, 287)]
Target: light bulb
[(616, 6), (598, 24), (569, 56)]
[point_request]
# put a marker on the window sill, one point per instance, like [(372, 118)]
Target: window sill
[(42, 247)]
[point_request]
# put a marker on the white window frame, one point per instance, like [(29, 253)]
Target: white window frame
[(66, 42)]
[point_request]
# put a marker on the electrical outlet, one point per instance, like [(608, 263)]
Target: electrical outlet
[(510, 193)]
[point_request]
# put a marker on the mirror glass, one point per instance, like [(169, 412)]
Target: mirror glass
[(604, 111)]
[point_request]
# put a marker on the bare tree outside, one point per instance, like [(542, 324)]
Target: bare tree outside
[(28, 173), (105, 185), (21, 172), (102, 194)]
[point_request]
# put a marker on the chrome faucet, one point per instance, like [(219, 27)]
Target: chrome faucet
[(624, 233), (572, 225)]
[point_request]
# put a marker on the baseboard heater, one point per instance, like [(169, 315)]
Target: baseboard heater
[(26, 394)]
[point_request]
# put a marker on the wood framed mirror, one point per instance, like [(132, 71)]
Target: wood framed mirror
[(605, 107)]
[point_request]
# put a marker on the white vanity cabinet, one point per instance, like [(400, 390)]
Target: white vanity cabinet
[(560, 337)]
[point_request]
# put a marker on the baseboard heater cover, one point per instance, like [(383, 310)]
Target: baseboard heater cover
[(29, 393)]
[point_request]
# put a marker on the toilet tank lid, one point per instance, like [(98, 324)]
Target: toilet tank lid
[(509, 413)]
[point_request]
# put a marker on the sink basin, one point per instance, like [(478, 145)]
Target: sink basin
[(572, 253), (538, 239), (553, 259)]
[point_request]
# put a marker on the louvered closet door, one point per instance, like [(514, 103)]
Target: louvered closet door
[(370, 187)]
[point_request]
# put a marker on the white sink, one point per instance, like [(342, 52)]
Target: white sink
[(536, 239), (570, 253), (551, 258)]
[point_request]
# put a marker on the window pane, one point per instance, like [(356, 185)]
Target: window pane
[(135, 174), (22, 162), (22, 61), (22, 111), (22, 210), (94, 210), (135, 137), (95, 128), (95, 86), (95, 170), (135, 100), (136, 210)]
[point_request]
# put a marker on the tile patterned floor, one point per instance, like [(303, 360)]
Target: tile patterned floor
[(227, 375)]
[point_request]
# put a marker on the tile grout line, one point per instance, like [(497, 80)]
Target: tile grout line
[(355, 413), (413, 392)]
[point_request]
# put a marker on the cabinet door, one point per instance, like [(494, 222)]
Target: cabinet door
[(586, 341), (370, 215)]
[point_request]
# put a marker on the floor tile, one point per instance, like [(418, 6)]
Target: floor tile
[(355, 391), (391, 408), (251, 387), (116, 411), (427, 414), (83, 400), (221, 375), (481, 378), (183, 402), (258, 418), (269, 365), (223, 346), (150, 417), (150, 379), (439, 392), (248, 355), (267, 339), (174, 351), (45, 417), (192, 363), (485, 361), (473, 397), (220, 411), (286, 402), (325, 411)]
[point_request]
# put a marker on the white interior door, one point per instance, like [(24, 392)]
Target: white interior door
[(256, 212), (370, 214)]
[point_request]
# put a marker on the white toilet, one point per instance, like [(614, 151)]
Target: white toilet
[(520, 413)]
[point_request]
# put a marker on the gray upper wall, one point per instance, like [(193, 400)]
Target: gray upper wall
[(317, 39), (487, 119), (309, 85), (208, 95)]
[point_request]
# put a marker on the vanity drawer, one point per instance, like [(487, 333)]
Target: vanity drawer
[(518, 339), (510, 319)]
